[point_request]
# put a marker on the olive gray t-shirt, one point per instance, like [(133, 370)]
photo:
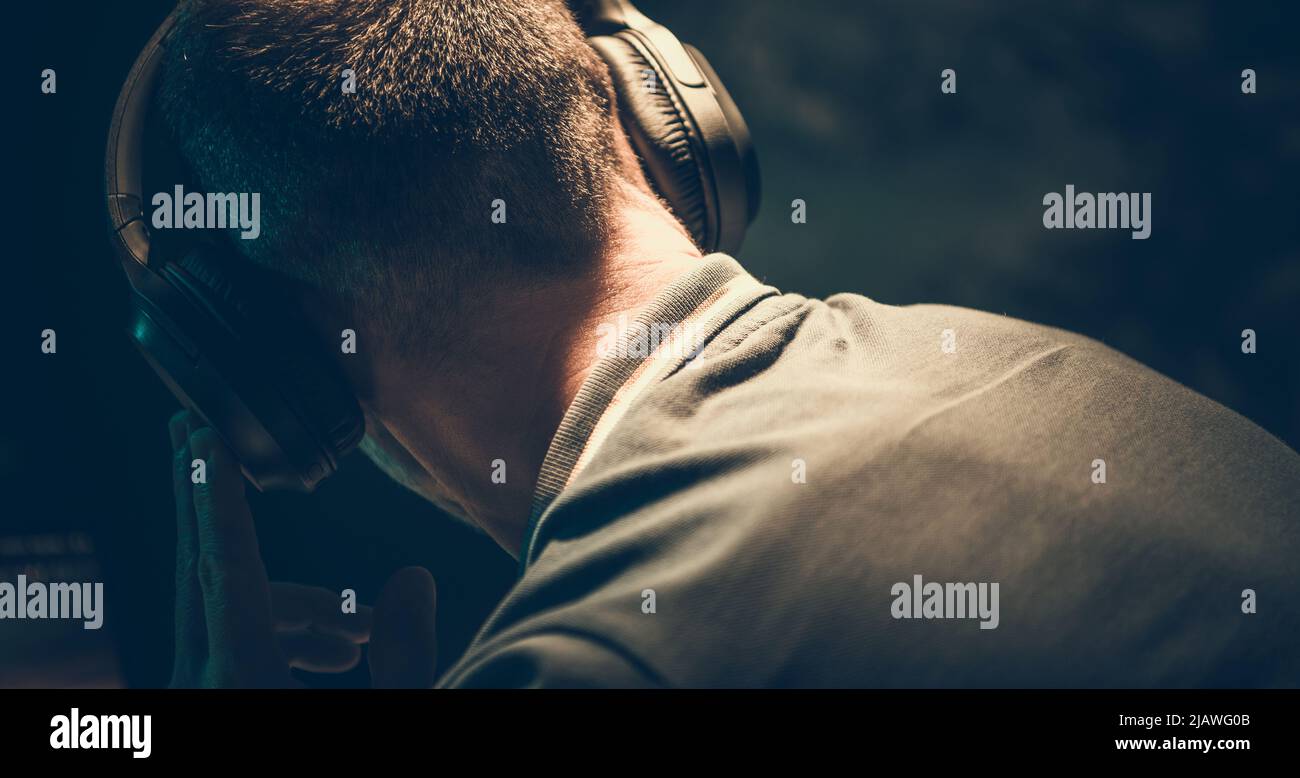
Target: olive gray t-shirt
[(756, 489)]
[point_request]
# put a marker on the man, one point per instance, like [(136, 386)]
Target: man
[(706, 482)]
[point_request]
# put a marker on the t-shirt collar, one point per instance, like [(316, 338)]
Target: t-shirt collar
[(665, 336)]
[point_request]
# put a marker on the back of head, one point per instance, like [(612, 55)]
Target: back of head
[(383, 197)]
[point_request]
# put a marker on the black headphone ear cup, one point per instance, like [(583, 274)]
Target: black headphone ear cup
[(272, 352), (660, 130), (739, 132), (205, 278)]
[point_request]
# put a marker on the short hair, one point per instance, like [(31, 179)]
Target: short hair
[(384, 197)]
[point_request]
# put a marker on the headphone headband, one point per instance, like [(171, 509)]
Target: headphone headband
[(606, 17), (124, 159)]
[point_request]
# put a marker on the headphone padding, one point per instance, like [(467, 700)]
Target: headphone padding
[(660, 130), (318, 394)]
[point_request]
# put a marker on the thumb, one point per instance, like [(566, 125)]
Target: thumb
[(403, 635)]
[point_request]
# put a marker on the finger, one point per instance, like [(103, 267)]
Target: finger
[(236, 592), (403, 641), (316, 653), (178, 427), (296, 607), (191, 634)]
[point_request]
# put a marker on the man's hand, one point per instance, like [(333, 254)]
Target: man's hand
[(312, 631), (404, 645), (234, 628), (224, 628)]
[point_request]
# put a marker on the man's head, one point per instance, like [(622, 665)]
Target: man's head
[(382, 199), (477, 332)]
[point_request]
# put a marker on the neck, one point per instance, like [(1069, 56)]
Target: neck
[(495, 397)]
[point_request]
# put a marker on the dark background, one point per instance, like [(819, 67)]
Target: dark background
[(913, 196)]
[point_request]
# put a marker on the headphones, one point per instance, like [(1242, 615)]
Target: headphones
[(227, 350)]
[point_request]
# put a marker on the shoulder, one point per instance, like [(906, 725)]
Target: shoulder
[(822, 451)]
